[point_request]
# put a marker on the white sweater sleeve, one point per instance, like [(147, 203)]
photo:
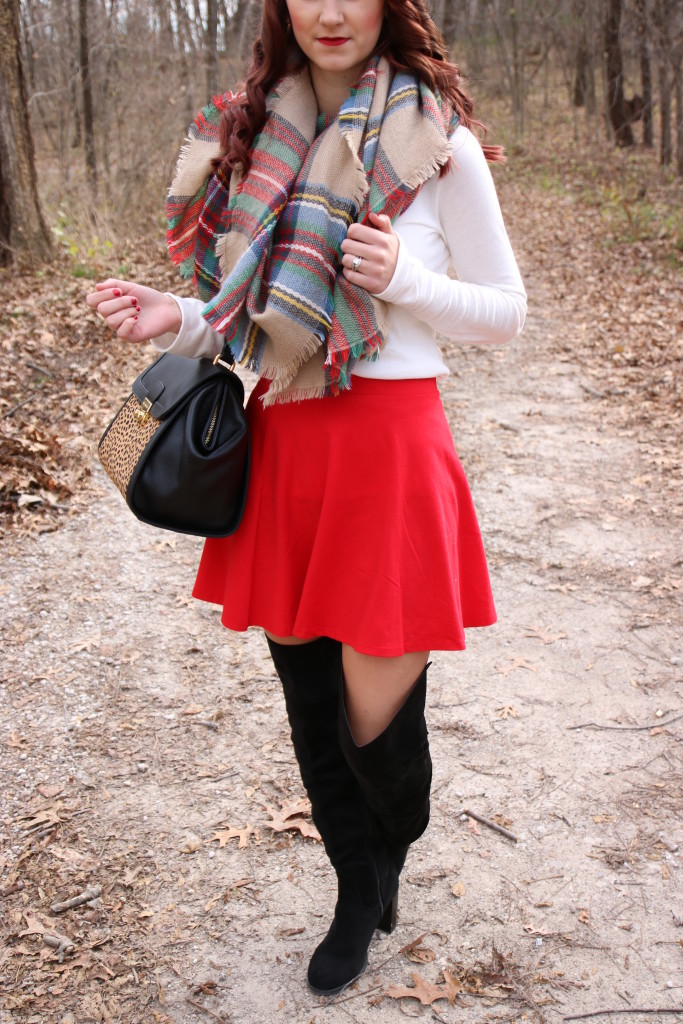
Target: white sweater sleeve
[(487, 304), (196, 337)]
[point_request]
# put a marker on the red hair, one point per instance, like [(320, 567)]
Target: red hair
[(410, 41)]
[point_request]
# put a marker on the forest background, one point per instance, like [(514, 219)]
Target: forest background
[(96, 97), (166, 780)]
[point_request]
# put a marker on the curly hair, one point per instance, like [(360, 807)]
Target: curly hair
[(410, 41)]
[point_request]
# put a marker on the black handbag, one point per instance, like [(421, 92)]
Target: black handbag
[(178, 448)]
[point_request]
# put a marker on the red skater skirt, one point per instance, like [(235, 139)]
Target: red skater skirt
[(359, 525)]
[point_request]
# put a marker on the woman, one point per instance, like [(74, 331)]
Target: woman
[(318, 213)]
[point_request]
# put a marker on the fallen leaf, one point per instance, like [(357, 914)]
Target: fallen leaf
[(193, 709), (584, 916), (546, 638), (291, 816), (641, 582), (516, 663), (223, 836), (49, 792), (418, 953), (458, 889), (15, 741), (425, 992), (205, 988), (506, 711)]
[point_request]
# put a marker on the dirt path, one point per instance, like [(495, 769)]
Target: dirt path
[(137, 733)]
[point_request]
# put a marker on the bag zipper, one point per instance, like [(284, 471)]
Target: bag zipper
[(212, 425)]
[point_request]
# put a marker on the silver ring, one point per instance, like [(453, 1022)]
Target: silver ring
[(356, 263)]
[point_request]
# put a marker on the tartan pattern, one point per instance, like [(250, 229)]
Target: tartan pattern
[(265, 250)]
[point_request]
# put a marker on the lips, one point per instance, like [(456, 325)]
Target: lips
[(333, 40)]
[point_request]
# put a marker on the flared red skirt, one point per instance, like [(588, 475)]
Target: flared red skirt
[(359, 525)]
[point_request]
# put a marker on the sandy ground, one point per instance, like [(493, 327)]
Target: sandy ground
[(136, 733)]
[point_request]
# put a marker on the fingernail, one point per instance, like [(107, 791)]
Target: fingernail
[(138, 309), (134, 301), (134, 318), (117, 292)]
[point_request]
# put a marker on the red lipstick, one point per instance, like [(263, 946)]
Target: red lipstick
[(333, 40)]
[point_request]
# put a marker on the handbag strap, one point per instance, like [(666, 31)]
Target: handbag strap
[(225, 358)]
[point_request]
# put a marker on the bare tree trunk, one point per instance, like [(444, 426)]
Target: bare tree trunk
[(678, 93), (212, 49), (86, 89), (22, 228), (618, 113), (645, 70), (665, 146), (450, 22), (73, 76)]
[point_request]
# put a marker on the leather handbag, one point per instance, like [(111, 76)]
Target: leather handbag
[(178, 448)]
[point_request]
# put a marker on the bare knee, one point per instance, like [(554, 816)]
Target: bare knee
[(288, 641)]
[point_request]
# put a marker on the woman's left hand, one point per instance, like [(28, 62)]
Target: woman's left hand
[(377, 247)]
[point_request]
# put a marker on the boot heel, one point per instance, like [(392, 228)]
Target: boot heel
[(389, 917)]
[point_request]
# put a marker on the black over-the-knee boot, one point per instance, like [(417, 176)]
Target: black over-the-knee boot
[(394, 770), (311, 676)]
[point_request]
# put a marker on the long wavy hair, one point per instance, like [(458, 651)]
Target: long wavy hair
[(410, 41)]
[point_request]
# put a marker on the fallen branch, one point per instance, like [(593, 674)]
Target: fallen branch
[(15, 408), (491, 824), (201, 721), (14, 887), (60, 944), (625, 728), (77, 901), (40, 369), (198, 1006), (600, 1013)]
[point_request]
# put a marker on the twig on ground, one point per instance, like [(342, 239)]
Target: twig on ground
[(14, 887), (601, 1013), (40, 369), (198, 1006), (201, 721), (625, 728), (491, 824), (77, 901), (15, 408), (347, 999), (60, 944)]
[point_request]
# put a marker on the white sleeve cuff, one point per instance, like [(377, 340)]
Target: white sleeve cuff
[(195, 338)]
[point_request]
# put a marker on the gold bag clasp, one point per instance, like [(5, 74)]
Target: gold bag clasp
[(143, 412)]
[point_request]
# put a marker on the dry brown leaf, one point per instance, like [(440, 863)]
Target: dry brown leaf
[(514, 664), (458, 889), (506, 711), (418, 953), (292, 816), (49, 792), (223, 836), (425, 992), (546, 638)]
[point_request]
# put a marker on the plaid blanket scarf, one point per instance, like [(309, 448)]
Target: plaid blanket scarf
[(265, 250)]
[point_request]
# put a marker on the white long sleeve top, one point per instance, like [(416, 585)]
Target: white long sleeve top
[(455, 222)]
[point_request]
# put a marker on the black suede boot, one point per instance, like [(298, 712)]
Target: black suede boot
[(394, 770), (311, 676)]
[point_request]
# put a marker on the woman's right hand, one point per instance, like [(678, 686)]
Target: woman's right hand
[(136, 313)]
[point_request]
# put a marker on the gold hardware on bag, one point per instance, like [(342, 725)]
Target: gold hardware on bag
[(218, 361), (142, 413)]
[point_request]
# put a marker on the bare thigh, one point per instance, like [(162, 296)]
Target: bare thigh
[(376, 688)]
